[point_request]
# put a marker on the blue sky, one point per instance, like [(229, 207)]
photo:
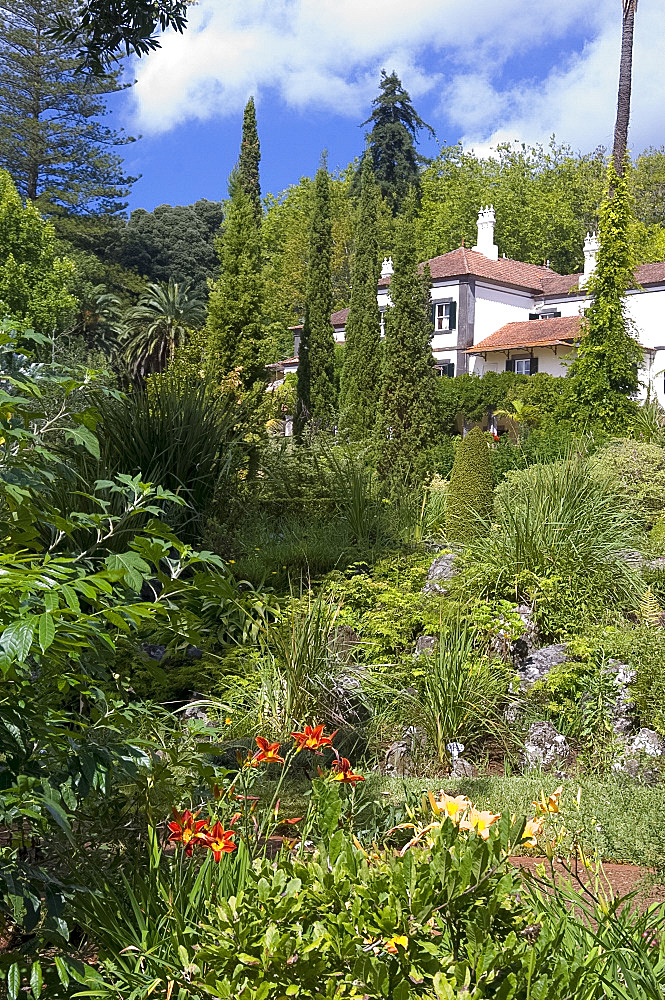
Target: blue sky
[(477, 70)]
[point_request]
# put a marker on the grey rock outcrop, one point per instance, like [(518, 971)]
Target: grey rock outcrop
[(441, 570), (545, 748), (622, 715), (537, 665), (426, 644), (639, 760)]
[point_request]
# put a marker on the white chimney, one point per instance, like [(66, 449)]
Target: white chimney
[(387, 267), (591, 248), (486, 244)]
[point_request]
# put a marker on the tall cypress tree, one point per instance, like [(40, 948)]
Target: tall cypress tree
[(52, 138), (406, 420), (605, 372), (360, 375), (250, 157), (317, 394), (392, 141)]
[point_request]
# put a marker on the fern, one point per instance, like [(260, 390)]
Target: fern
[(650, 611)]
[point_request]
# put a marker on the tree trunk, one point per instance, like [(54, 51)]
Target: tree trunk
[(625, 73)]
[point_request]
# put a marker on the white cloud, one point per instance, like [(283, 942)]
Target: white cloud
[(327, 54)]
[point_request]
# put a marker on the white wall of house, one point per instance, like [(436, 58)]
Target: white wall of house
[(497, 306), (548, 361)]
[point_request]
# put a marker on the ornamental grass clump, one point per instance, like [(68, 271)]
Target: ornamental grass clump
[(470, 495)]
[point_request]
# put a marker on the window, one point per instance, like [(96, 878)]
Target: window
[(445, 368), (383, 323), (444, 316), (522, 366), (545, 314)]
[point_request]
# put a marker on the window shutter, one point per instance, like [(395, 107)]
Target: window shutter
[(534, 315), (433, 314), (452, 316), (555, 315), (533, 366), (510, 365), (451, 370)]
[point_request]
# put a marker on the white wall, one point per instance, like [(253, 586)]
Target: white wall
[(548, 361), (497, 306)]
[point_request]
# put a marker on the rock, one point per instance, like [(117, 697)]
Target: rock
[(622, 711), (194, 653), (648, 742), (644, 745), (462, 769), (426, 644), (655, 565), (341, 642), (631, 556), (538, 664), (526, 643), (153, 650), (195, 712), (545, 747), (345, 703), (442, 569), (398, 759)]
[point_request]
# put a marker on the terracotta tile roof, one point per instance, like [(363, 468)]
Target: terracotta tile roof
[(340, 317), (530, 333), (502, 271), (565, 284), (650, 274)]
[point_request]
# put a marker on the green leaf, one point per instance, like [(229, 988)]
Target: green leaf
[(13, 981), (36, 979), (63, 973), (16, 639), (134, 569), (82, 435), (46, 631)]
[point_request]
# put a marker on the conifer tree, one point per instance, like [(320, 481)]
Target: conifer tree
[(406, 420), (235, 336), (317, 394), (605, 371), (359, 384), (250, 157), (395, 127), (52, 138), (469, 499)]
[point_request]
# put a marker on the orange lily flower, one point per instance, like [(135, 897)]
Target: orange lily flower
[(220, 841), (480, 821), (267, 753), (186, 829), (532, 830), (312, 738), (344, 772), (549, 804), (398, 939), (449, 806)]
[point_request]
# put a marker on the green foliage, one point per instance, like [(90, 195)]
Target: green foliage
[(406, 418), (52, 140), (172, 241), (235, 335), (362, 359), (604, 373), (637, 471), (469, 499), (250, 157), (33, 279), (317, 392), (391, 141), (160, 322)]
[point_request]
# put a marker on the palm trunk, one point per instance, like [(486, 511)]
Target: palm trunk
[(625, 74)]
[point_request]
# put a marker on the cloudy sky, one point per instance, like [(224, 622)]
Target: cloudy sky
[(479, 71)]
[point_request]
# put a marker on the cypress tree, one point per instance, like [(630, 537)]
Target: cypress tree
[(469, 499), (250, 157), (406, 420), (317, 394), (395, 127), (52, 138), (234, 328), (605, 371), (360, 374)]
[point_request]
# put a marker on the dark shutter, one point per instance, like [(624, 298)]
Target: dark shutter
[(452, 316), (450, 370), (554, 315), (533, 366), (510, 365), (433, 314), (534, 315)]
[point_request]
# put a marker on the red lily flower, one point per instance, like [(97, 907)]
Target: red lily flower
[(344, 772), (268, 752), (220, 841), (312, 738), (186, 829)]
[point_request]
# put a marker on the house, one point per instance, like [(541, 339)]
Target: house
[(491, 313)]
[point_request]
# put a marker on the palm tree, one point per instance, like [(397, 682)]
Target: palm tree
[(625, 79), (161, 319), (98, 319)]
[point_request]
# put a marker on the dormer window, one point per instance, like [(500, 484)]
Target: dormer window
[(444, 316), (545, 314)]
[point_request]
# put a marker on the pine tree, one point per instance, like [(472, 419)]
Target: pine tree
[(406, 421), (469, 499), (52, 139), (360, 374), (605, 371), (317, 394), (235, 335), (395, 127), (250, 157)]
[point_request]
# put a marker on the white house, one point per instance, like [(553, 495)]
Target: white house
[(491, 313)]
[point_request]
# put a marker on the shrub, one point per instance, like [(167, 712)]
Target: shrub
[(637, 470), (469, 499)]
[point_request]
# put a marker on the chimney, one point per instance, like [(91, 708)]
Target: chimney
[(486, 244), (591, 248), (387, 267)]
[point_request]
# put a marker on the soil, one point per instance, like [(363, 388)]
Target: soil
[(621, 879)]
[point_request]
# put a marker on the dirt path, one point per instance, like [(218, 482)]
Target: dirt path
[(621, 879)]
